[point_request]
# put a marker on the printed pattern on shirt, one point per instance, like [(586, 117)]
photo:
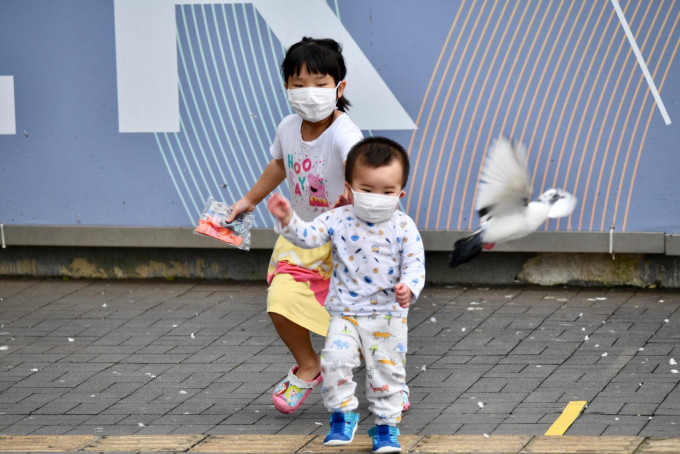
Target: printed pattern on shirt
[(368, 259), (314, 169)]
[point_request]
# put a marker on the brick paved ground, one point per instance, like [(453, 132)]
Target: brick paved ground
[(140, 357)]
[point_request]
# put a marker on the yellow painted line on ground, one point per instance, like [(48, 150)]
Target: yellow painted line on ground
[(567, 418)]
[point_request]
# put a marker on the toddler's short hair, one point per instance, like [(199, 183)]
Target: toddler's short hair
[(377, 152)]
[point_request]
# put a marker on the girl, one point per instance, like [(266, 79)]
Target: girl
[(309, 152)]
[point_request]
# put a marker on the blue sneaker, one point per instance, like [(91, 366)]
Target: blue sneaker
[(343, 427), (385, 439)]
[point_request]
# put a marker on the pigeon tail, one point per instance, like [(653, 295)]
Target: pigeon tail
[(466, 249)]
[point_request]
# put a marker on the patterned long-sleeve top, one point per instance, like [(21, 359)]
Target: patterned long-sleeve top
[(368, 259)]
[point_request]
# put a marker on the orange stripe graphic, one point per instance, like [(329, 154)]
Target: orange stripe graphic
[(587, 84), (457, 130), (591, 122), (431, 113), (540, 79), (558, 64), (479, 95), (649, 119), (427, 94), (474, 82), (628, 115), (455, 185), (504, 90), (453, 109), (567, 96), (563, 148), (611, 21), (630, 62), (577, 99)]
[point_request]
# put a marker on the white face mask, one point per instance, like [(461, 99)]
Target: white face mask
[(374, 208), (313, 103)]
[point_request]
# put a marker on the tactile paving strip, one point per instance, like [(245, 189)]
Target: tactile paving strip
[(44, 443), (253, 444), (303, 444), (145, 443), (583, 445), (499, 444), (660, 446), (361, 443)]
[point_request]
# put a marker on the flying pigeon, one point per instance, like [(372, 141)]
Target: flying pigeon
[(503, 206)]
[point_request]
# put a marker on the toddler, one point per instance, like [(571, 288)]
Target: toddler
[(378, 272)]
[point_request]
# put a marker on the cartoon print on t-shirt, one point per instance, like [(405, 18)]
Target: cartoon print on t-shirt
[(318, 195), (306, 184), (295, 169)]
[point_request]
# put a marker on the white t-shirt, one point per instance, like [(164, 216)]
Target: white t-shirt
[(368, 259), (315, 170)]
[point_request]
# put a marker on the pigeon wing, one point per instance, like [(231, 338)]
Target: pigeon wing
[(504, 183)]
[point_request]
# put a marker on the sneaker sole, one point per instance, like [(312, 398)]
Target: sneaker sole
[(341, 442), (386, 449), (337, 442)]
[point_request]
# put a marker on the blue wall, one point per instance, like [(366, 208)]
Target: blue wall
[(560, 76)]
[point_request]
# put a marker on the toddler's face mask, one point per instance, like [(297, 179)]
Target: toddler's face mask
[(313, 103), (374, 208)]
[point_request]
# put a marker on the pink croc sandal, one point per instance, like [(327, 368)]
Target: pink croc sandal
[(292, 391)]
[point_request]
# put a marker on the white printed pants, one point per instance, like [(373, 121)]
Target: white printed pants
[(382, 340)]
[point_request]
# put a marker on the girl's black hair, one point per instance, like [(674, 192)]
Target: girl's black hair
[(377, 152), (319, 56)]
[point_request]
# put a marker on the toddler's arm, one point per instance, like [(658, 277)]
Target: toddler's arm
[(306, 235), (412, 262)]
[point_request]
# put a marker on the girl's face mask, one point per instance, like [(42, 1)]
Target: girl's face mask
[(374, 208), (313, 103)]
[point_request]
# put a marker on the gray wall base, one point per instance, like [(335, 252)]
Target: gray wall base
[(640, 270)]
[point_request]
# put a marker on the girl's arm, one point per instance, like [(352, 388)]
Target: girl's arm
[(271, 177)]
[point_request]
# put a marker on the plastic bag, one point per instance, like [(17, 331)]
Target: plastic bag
[(213, 224)]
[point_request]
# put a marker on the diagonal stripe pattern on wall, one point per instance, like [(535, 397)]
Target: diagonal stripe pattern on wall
[(559, 76)]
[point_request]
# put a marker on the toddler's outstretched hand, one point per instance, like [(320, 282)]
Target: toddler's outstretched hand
[(403, 294), (341, 201), (279, 206)]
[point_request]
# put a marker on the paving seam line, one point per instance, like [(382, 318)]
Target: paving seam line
[(198, 442), (642, 442)]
